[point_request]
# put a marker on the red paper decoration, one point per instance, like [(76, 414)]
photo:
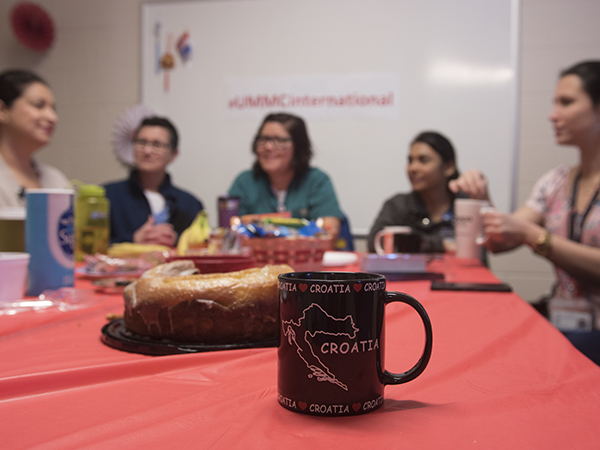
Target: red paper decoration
[(33, 26)]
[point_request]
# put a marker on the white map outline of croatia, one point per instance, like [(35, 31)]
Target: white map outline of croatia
[(318, 368)]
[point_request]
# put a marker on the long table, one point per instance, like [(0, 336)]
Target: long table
[(500, 376)]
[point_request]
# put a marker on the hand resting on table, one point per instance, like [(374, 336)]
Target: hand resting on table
[(151, 233)]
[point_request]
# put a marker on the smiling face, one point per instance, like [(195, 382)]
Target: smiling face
[(31, 118), (275, 149), (152, 152), (574, 117), (426, 170)]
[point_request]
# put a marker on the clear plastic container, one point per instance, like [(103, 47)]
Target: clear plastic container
[(92, 221)]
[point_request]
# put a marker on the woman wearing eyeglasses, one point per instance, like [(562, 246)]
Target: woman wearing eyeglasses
[(27, 121), (282, 179), (147, 208)]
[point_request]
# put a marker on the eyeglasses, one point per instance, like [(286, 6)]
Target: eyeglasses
[(276, 141), (155, 146)]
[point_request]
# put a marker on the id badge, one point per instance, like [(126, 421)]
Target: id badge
[(571, 314)]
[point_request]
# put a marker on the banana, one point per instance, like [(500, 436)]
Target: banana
[(130, 249), (196, 235), (182, 244)]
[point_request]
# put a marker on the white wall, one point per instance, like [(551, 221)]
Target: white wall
[(411, 49), (94, 70)]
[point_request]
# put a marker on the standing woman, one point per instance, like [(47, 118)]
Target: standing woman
[(561, 219), (429, 208), (27, 121), (282, 179)]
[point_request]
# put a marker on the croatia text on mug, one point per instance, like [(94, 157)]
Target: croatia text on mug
[(331, 346)]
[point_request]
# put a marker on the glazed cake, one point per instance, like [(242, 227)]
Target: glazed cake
[(172, 301)]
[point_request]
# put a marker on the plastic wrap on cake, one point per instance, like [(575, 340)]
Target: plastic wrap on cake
[(172, 301)]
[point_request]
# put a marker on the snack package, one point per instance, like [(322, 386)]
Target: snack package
[(279, 227)]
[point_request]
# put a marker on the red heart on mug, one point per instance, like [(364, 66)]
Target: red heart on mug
[(303, 286), (356, 406), (302, 405), (357, 287)]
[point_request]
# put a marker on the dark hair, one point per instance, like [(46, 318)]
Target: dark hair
[(299, 134), (163, 122), (14, 82), (442, 145), (589, 73)]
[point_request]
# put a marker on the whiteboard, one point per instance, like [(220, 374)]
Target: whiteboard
[(454, 62)]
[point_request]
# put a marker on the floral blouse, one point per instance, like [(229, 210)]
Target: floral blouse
[(551, 197)]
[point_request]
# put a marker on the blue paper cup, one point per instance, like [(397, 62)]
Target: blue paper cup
[(49, 239)]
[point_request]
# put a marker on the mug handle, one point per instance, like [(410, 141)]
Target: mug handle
[(377, 241), (399, 378)]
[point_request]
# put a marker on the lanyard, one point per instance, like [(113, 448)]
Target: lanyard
[(577, 226)]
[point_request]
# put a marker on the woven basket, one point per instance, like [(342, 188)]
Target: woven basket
[(298, 252)]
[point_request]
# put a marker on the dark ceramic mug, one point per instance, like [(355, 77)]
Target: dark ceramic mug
[(331, 348)]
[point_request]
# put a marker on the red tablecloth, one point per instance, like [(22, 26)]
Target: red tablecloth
[(500, 376)]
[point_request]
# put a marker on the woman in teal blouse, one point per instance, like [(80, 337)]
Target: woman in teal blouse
[(281, 178)]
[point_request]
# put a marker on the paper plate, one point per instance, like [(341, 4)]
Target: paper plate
[(339, 258)]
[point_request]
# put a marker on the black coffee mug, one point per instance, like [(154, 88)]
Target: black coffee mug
[(331, 349)]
